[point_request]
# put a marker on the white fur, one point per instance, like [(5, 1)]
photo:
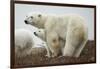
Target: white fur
[(70, 28), (41, 34), (23, 42)]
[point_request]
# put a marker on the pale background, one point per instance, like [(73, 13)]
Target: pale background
[(5, 35)]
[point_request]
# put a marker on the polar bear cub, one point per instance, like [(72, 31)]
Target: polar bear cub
[(70, 28), (41, 34), (23, 42)]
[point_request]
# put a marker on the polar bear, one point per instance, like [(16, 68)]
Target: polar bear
[(70, 27), (41, 34), (23, 42)]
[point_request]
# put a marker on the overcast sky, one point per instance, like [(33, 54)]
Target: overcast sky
[(21, 10)]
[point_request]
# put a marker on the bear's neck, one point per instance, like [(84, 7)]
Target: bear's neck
[(43, 21)]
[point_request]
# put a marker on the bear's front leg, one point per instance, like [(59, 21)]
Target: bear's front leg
[(76, 39), (48, 51), (53, 43), (69, 49)]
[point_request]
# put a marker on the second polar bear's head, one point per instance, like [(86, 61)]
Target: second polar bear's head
[(36, 19), (40, 33)]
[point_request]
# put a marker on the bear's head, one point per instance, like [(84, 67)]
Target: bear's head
[(41, 34), (35, 19)]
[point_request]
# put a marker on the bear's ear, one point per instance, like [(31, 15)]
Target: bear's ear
[(39, 15)]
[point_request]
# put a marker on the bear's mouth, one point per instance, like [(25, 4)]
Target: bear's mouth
[(35, 33), (26, 22)]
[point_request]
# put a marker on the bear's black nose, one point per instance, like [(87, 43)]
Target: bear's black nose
[(35, 33), (26, 21)]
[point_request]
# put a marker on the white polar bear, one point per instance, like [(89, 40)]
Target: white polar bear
[(41, 34), (70, 28), (23, 42)]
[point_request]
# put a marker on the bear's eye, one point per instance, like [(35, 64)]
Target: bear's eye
[(39, 31), (32, 17), (39, 15)]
